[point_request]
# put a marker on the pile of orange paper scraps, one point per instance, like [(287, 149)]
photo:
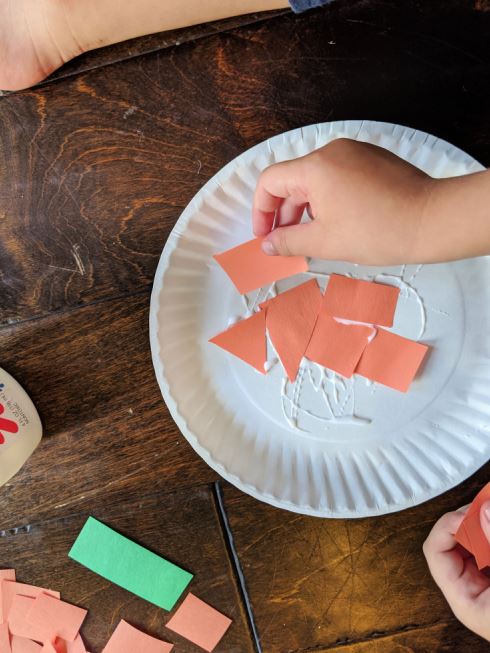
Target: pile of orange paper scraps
[(341, 329), (36, 620)]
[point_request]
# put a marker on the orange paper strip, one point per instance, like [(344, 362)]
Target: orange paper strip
[(4, 639), (64, 618), (249, 268), (290, 320), (20, 625), (7, 574), (8, 589), (360, 301), (337, 346), (22, 645), (127, 639), (199, 623), (391, 360), (470, 533), (246, 340)]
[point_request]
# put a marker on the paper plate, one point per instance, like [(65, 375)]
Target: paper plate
[(324, 445)]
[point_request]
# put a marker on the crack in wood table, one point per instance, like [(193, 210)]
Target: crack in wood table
[(96, 165)]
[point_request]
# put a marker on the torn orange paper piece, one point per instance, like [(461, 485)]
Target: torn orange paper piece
[(20, 625), (199, 623), (127, 639), (8, 589), (7, 574), (337, 346), (360, 301), (470, 533), (66, 619), (391, 360), (246, 340), (23, 645), (4, 639), (290, 320), (249, 268)]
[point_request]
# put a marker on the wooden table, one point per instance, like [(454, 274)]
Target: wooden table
[(95, 167)]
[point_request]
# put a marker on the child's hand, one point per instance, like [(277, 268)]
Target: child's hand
[(466, 589), (366, 203)]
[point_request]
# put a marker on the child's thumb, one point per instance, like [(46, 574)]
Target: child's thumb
[(485, 519), (295, 240)]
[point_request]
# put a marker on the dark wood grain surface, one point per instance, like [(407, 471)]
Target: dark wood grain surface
[(95, 167)]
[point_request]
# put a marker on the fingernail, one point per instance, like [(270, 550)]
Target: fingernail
[(268, 248)]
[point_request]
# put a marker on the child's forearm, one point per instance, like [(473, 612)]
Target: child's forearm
[(456, 222), (103, 22)]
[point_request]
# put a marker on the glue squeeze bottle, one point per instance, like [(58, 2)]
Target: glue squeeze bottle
[(20, 427)]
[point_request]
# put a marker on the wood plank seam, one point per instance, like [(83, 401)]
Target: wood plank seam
[(235, 563), (371, 637)]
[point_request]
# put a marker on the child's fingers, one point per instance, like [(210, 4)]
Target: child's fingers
[(444, 559), (295, 240), (276, 183), (290, 212), (485, 519)]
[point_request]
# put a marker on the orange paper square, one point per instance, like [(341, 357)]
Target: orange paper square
[(290, 320), (470, 533), (199, 623), (8, 589), (20, 625), (337, 346), (64, 619), (360, 301), (7, 574), (127, 639), (391, 360), (249, 268), (246, 340)]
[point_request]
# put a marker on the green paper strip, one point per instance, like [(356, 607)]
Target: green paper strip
[(129, 565)]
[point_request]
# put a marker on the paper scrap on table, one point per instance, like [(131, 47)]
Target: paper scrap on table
[(391, 360), (4, 639), (337, 346), (125, 563), (8, 589), (64, 618), (360, 301), (246, 340), (77, 646), (290, 319), (470, 533), (199, 623), (20, 624), (22, 645), (127, 639), (249, 268), (7, 574)]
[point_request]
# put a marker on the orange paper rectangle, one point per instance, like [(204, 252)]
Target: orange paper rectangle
[(290, 320), (8, 589), (337, 346), (64, 619), (360, 301), (249, 268), (470, 533), (20, 625), (127, 639), (7, 574), (391, 360), (199, 623)]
